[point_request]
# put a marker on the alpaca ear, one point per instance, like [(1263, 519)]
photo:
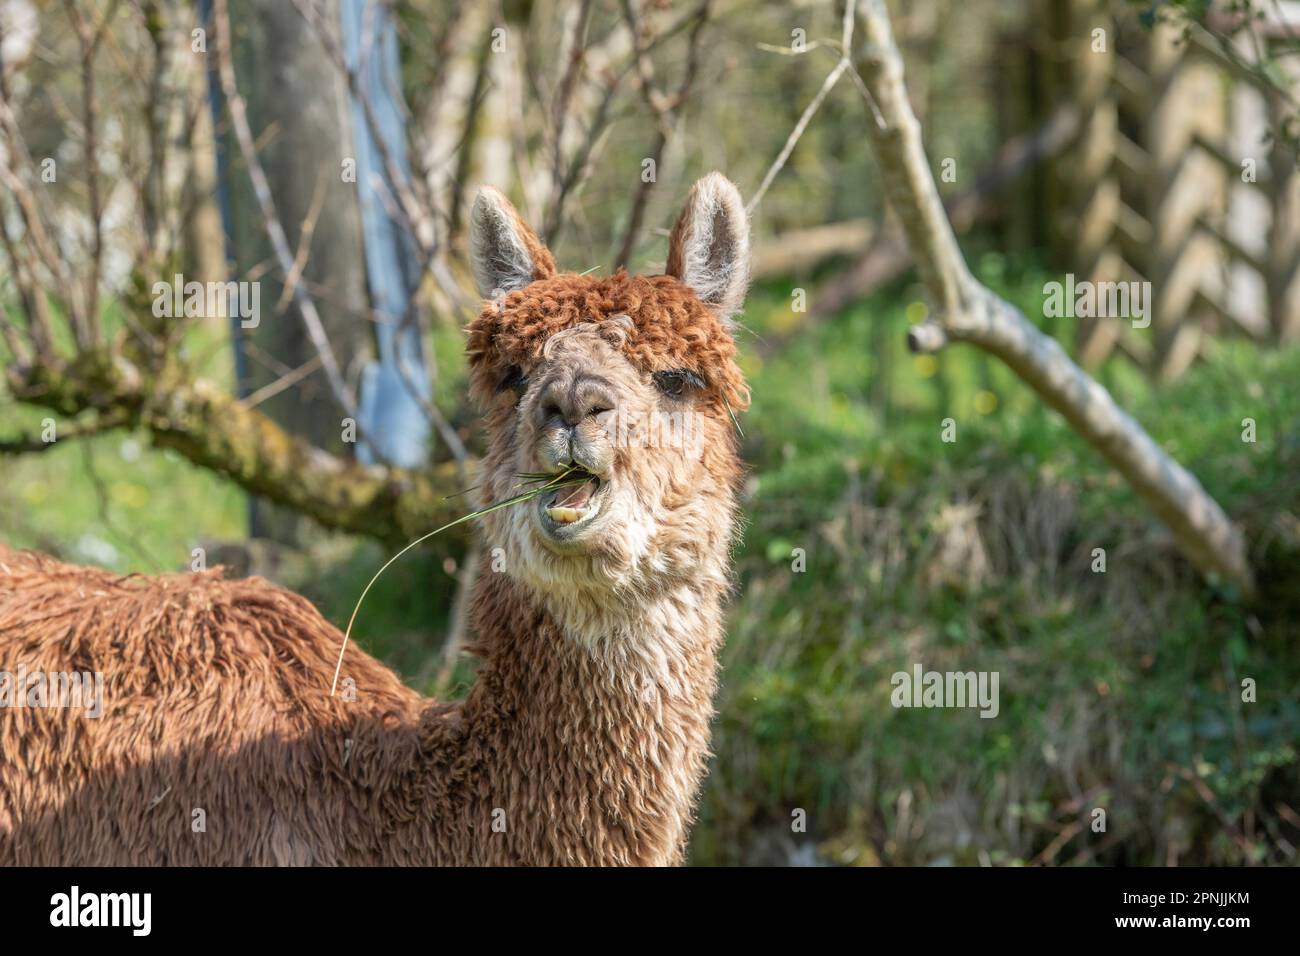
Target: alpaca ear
[(505, 254), (709, 247)]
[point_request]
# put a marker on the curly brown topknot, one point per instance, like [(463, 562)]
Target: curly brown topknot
[(671, 329)]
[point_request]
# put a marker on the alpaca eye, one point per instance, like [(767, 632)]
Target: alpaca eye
[(514, 381), (675, 383)]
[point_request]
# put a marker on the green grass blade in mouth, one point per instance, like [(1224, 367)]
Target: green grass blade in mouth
[(734, 420), (463, 491), (542, 483), (529, 478)]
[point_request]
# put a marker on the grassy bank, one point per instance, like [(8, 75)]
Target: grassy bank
[(1120, 691)]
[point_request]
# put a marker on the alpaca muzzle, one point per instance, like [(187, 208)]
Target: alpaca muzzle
[(585, 445)]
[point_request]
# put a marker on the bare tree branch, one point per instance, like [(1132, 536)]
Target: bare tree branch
[(666, 115), (34, 224), (560, 114), (26, 443), (886, 254), (288, 380), (266, 203), (968, 312), (846, 41), (417, 212), (89, 36)]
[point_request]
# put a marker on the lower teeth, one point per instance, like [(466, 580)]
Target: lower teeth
[(565, 515)]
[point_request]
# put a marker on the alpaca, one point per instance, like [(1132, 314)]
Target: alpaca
[(597, 618)]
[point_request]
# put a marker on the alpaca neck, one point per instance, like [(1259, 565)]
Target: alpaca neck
[(588, 726)]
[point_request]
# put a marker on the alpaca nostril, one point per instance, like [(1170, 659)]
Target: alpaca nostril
[(572, 417), (593, 400), (576, 401)]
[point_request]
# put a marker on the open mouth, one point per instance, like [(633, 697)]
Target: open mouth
[(562, 511)]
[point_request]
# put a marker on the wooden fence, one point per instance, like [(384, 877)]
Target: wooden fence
[(1173, 180)]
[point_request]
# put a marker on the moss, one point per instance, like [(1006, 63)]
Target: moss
[(215, 431)]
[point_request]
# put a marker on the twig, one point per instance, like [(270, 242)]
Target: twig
[(33, 300), (666, 113), (846, 45), (30, 444), (33, 220), (271, 220), (287, 380), (305, 233), (579, 162), (89, 330), (827, 85), (431, 411), (417, 214), (102, 505), (1207, 797), (560, 110)]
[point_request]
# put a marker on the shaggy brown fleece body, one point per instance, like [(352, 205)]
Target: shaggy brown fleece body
[(216, 698)]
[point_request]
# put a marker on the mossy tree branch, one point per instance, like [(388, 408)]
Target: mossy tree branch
[(202, 423)]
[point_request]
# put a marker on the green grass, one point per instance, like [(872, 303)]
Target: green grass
[(1114, 686), (113, 500)]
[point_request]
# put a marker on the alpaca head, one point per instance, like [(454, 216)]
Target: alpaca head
[(631, 379)]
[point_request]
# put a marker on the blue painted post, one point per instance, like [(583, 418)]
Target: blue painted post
[(391, 409)]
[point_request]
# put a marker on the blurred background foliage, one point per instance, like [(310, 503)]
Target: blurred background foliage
[(1119, 690)]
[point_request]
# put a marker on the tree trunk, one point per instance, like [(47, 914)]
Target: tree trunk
[(298, 110)]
